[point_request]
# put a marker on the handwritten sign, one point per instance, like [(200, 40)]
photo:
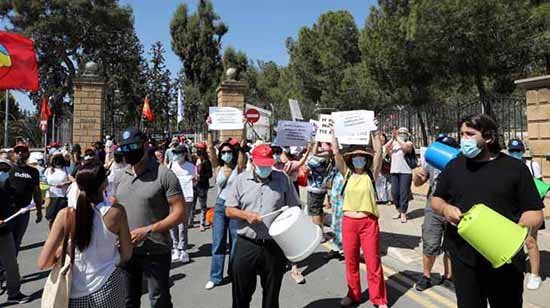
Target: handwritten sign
[(354, 127), (291, 133), (295, 111), (225, 118), (324, 128)]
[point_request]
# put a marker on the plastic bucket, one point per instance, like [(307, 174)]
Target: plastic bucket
[(294, 232), (542, 187), (495, 237), (439, 155)]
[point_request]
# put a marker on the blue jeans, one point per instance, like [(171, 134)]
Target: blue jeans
[(222, 224), (401, 189)]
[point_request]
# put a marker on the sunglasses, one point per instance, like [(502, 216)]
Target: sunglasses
[(226, 152), (20, 151), (129, 147)]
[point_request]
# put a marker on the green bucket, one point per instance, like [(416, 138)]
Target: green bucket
[(44, 188), (494, 236), (542, 187)]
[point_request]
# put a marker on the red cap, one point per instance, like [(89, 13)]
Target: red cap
[(233, 141), (262, 156), (201, 145)]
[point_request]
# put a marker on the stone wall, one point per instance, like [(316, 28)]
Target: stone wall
[(89, 108), (537, 92), (231, 93)]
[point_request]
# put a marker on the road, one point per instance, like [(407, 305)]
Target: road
[(325, 280)]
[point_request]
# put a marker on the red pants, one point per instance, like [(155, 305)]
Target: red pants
[(363, 233)]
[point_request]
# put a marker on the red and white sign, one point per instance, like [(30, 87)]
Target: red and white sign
[(252, 116)]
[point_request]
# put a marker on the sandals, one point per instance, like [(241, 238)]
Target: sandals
[(297, 276)]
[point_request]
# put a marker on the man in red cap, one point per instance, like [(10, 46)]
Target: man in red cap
[(257, 192)]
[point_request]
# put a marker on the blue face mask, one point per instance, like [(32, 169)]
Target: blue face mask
[(277, 158), (469, 148), (516, 155), (227, 157), (358, 162), (178, 157), (4, 176), (263, 172)]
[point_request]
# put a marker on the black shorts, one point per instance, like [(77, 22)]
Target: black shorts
[(56, 205), (315, 203)]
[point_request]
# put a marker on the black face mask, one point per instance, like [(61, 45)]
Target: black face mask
[(58, 162), (134, 156)]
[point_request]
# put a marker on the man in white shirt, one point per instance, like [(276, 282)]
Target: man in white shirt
[(186, 172)]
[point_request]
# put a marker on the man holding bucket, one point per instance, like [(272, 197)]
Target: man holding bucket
[(484, 175), (258, 192)]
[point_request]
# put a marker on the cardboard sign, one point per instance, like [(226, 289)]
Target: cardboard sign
[(295, 111), (291, 133), (225, 118), (354, 127), (324, 128)]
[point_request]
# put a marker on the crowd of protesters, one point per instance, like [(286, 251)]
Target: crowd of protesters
[(129, 201)]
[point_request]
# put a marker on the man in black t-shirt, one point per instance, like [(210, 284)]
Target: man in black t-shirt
[(24, 181), (484, 175)]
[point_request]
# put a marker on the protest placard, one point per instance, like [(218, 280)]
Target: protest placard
[(353, 127), (225, 118), (324, 128), (295, 111), (291, 133)]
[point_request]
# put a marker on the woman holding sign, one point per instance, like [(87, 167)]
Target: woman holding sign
[(227, 163), (360, 227)]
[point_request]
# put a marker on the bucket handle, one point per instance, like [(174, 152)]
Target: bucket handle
[(284, 208)]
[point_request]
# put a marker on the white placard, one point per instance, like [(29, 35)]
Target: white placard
[(295, 111), (291, 133), (225, 118), (354, 127), (324, 128), (365, 139)]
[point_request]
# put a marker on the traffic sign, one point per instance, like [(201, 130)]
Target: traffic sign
[(252, 116)]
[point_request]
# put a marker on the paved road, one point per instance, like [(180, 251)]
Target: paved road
[(325, 280)]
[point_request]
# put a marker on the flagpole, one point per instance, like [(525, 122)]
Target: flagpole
[(6, 119), (53, 128)]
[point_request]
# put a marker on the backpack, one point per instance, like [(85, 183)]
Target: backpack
[(411, 159)]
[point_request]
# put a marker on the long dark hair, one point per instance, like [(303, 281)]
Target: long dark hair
[(488, 128), (233, 150), (89, 180)]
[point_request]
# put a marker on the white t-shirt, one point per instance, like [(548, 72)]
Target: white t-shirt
[(113, 179), (398, 162), (186, 174), (55, 177), (534, 168)]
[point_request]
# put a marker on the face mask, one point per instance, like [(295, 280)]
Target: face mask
[(404, 136), (358, 162), (134, 156), (4, 176), (178, 157), (277, 158), (517, 155), (227, 157), (469, 148), (263, 172)]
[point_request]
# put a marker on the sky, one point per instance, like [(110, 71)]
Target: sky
[(257, 27)]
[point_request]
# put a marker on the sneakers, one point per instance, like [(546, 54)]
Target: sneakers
[(175, 255), (183, 257), (209, 285), (424, 283), (533, 282), (20, 298)]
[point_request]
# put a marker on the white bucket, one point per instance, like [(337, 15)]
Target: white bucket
[(294, 232)]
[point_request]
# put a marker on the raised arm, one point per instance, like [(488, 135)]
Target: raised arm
[(243, 158), (338, 158), (377, 157), (212, 151)]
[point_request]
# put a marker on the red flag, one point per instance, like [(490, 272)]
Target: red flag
[(18, 68), (146, 112), (45, 114)]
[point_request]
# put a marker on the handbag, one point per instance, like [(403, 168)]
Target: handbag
[(57, 289)]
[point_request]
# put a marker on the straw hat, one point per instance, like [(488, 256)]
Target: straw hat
[(403, 130), (358, 150)]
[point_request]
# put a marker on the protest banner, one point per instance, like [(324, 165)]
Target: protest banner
[(291, 133), (225, 118), (354, 127), (295, 111), (324, 128)]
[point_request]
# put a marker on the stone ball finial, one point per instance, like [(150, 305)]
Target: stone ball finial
[(90, 68), (231, 73)]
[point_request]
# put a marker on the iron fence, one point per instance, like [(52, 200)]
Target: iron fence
[(426, 122)]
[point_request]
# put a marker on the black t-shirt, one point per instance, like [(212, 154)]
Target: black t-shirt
[(6, 206), (504, 184), (22, 181), (205, 173)]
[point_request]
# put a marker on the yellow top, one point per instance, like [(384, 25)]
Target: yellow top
[(359, 195)]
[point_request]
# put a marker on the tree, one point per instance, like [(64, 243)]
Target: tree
[(196, 40), (159, 88), (540, 17)]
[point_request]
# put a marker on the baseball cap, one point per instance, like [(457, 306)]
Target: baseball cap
[(516, 145), (233, 141), (201, 145), (130, 136), (21, 145), (262, 156)]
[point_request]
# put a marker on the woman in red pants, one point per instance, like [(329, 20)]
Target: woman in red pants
[(360, 227)]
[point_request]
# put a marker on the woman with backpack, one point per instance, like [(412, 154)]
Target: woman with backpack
[(403, 160)]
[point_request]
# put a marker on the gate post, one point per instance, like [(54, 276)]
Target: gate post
[(538, 124)]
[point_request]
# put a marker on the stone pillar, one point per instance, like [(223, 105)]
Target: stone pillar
[(231, 94), (89, 107), (538, 124)]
